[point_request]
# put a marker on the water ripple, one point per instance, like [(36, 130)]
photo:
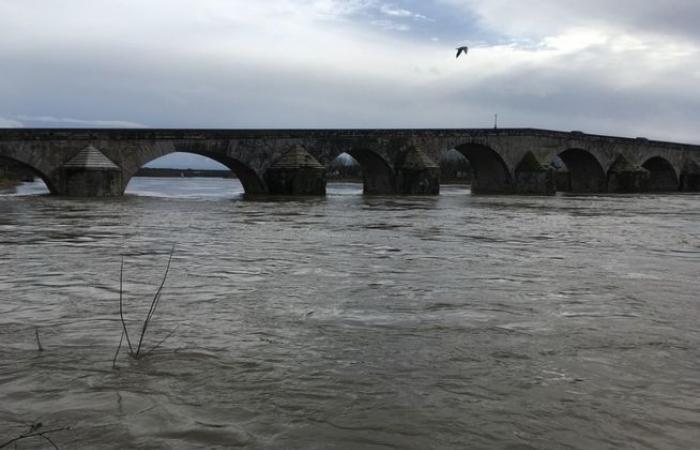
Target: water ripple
[(353, 322)]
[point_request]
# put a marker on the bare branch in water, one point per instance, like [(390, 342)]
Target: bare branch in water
[(114, 360), (33, 432), (138, 351), (154, 304), (50, 441), (38, 341), (155, 347), (121, 307)]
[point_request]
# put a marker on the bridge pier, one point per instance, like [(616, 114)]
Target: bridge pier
[(690, 177), (377, 184), (296, 173), (91, 174), (624, 177), (418, 175), (532, 178)]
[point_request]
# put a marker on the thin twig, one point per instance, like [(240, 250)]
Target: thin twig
[(121, 307), (50, 441), (114, 361), (160, 288), (35, 434), (162, 341), (38, 341), (154, 304)]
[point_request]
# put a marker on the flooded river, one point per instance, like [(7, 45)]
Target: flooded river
[(352, 322)]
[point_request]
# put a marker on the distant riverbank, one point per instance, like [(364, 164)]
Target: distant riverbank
[(184, 173), (9, 183)]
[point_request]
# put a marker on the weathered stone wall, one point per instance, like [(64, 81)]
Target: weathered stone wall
[(509, 161), (92, 183)]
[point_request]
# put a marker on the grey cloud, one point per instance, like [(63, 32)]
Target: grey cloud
[(544, 17), (224, 80), (386, 24), (9, 123), (565, 96), (49, 121), (577, 100), (393, 10), (669, 16)]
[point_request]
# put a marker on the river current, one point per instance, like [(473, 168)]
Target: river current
[(351, 322)]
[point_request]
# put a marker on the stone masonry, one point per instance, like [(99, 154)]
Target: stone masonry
[(100, 162)]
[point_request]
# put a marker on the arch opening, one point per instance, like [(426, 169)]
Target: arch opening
[(195, 172), (455, 168), (344, 175), (19, 178), (585, 174), (377, 177), (490, 174), (662, 175)]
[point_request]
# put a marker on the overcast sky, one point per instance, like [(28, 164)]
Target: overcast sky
[(624, 67)]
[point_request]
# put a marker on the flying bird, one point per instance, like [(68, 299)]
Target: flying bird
[(464, 49)]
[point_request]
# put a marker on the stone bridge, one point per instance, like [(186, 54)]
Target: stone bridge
[(100, 162)]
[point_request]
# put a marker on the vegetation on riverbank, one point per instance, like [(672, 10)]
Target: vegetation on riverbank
[(8, 182), (12, 174), (183, 173)]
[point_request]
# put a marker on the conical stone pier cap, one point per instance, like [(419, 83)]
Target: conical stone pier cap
[(90, 158)]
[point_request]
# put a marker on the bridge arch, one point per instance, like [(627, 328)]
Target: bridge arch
[(490, 174), (455, 167), (344, 168), (251, 181), (586, 173), (662, 175), (378, 178), (25, 165)]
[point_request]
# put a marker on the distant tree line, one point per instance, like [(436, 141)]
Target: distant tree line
[(184, 173), (13, 173)]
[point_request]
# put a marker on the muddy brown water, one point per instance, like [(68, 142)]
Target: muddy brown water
[(351, 322)]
